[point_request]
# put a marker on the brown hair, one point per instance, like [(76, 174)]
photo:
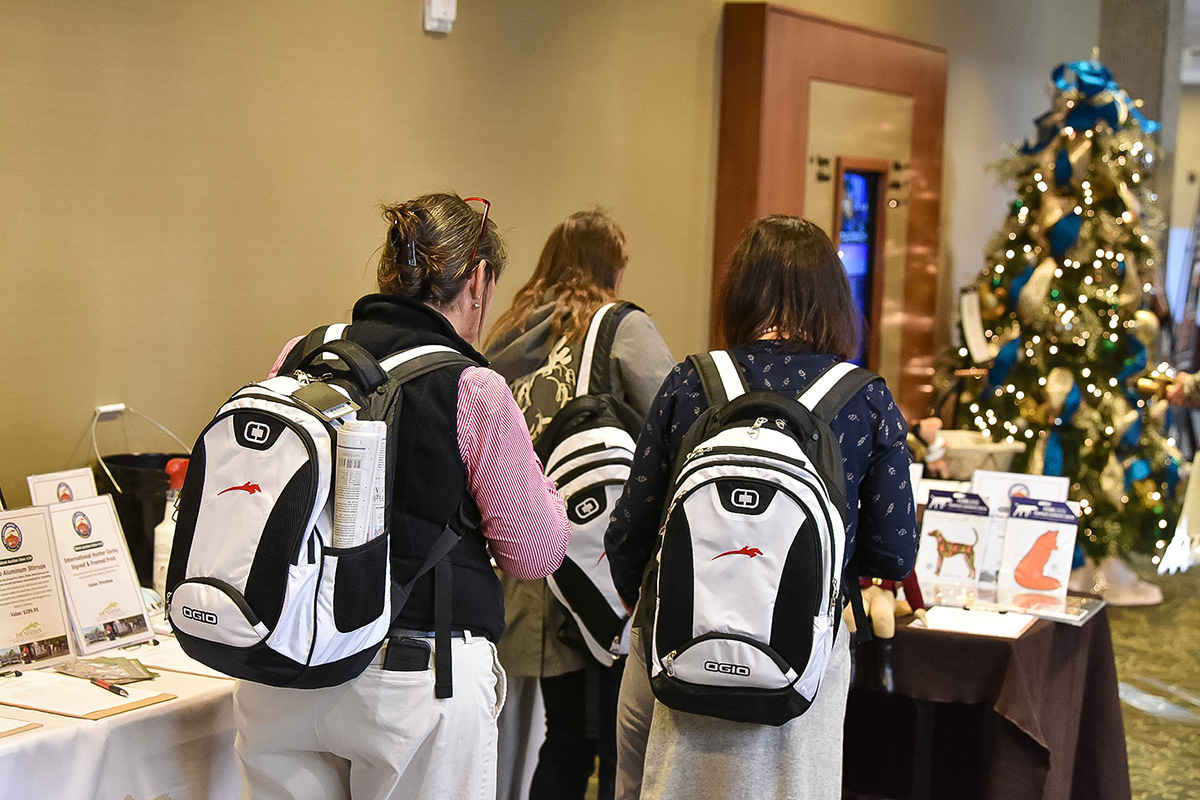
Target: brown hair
[(427, 255), (579, 267), (786, 276)]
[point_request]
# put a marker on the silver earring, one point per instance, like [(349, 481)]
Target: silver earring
[(476, 305)]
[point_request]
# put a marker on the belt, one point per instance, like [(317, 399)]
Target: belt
[(411, 633)]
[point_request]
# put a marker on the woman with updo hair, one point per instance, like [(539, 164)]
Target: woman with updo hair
[(788, 316), (536, 345), (388, 733)]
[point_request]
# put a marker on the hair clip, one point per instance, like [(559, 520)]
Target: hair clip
[(412, 253)]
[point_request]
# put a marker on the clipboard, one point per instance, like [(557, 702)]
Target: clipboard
[(65, 696), (11, 727)]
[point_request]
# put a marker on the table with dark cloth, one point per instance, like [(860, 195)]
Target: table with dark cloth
[(978, 716)]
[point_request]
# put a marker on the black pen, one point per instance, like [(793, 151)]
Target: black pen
[(15, 673), (103, 684)]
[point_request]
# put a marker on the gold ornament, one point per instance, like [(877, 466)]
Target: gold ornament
[(1080, 154), (991, 308), (1122, 416), (1032, 410), (1112, 482), (1033, 296), (1158, 412), (1054, 208), (1129, 199), (1058, 386), (1144, 491), (1131, 291), (1146, 326), (1037, 457)]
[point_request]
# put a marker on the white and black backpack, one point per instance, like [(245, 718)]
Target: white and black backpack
[(749, 569), (255, 588), (588, 449)]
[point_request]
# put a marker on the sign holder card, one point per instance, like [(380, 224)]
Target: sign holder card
[(34, 630), (101, 587), (1039, 540), (998, 489), (62, 487), (972, 327), (953, 530)]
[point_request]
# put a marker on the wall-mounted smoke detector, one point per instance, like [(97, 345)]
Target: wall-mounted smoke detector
[(440, 15)]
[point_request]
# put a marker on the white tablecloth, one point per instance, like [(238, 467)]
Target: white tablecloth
[(180, 749)]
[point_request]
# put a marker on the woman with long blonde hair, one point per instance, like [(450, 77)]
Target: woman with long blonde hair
[(537, 347)]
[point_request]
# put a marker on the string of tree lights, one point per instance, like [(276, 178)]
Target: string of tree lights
[(1063, 300)]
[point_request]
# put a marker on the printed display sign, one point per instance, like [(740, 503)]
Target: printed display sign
[(1039, 540), (101, 586), (998, 489), (34, 631), (954, 527), (62, 487)]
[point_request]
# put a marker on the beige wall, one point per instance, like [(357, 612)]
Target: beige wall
[(183, 186), (1186, 196)]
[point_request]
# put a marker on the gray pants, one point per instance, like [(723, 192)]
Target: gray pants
[(635, 706), (666, 753)]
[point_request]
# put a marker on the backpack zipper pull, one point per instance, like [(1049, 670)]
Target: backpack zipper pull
[(699, 451), (781, 424), (758, 423), (669, 663)]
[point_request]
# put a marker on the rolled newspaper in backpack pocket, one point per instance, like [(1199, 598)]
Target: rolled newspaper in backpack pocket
[(358, 505)]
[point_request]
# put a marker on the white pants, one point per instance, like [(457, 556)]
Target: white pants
[(382, 736)]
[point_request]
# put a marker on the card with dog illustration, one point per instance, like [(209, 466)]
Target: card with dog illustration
[(953, 530), (1039, 540)]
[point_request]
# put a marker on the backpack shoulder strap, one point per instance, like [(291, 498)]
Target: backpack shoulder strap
[(720, 376), (315, 338), (595, 362), (417, 361), (833, 388)]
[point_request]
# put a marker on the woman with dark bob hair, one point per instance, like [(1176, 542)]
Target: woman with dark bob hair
[(403, 728), (788, 315)]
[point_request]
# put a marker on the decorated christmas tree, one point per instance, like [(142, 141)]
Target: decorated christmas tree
[(1063, 306)]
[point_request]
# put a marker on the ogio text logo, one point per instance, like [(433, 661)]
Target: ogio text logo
[(727, 669), (256, 432), (207, 617), (590, 507), (745, 498)]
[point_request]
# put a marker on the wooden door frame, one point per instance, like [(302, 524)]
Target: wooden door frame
[(770, 57)]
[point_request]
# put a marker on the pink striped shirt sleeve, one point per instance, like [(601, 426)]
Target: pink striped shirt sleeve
[(524, 520), (287, 348)]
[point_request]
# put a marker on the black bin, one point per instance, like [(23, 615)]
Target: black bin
[(140, 503)]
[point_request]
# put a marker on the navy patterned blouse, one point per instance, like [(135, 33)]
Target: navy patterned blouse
[(872, 433)]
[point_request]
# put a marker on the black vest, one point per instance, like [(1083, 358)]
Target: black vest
[(429, 476)]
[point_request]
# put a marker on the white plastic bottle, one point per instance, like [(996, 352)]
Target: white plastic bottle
[(164, 532)]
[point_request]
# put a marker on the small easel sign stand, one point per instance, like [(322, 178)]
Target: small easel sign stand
[(34, 629), (99, 581)]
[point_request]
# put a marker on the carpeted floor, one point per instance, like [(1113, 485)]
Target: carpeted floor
[(1158, 664)]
